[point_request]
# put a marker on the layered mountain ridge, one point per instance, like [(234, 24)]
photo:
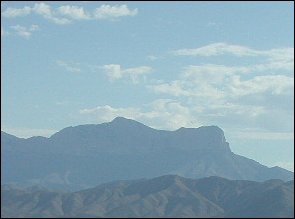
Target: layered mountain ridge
[(165, 196), (87, 155)]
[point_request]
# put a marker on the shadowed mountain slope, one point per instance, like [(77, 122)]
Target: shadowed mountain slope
[(165, 196), (87, 155)]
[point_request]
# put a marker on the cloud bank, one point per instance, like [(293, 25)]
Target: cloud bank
[(68, 13)]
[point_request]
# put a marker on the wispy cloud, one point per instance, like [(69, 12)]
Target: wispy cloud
[(41, 9), (152, 57), (175, 88), (106, 113), (73, 12), (46, 12), (115, 72), (111, 12), (279, 58), (256, 95), (25, 32), (277, 61), (259, 89), (274, 84), (171, 114), (17, 12), (201, 80), (210, 73), (2, 31), (71, 67), (68, 13), (217, 49), (161, 113)]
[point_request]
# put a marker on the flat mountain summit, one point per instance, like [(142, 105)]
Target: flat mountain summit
[(164, 196), (87, 155)]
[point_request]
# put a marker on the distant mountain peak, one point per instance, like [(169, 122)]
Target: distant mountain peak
[(7, 135), (126, 122), (120, 119), (126, 146)]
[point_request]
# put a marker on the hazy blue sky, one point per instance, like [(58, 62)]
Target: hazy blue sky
[(166, 64)]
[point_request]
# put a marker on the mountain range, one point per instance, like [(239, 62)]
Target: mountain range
[(84, 156), (165, 196)]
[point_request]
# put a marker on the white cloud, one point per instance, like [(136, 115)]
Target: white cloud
[(25, 32), (73, 12), (152, 57), (45, 11), (265, 113), (174, 88), (138, 70), (210, 73), (34, 27), (230, 109), (162, 113), (274, 65), (217, 49), (111, 12), (115, 72), (170, 114), (179, 88), (285, 54), (208, 93), (274, 84), (71, 67), (280, 58), (204, 81), (199, 81), (107, 113), (240, 115), (42, 9), (219, 81), (228, 95), (67, 13), (16, 12), (2, 31)]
